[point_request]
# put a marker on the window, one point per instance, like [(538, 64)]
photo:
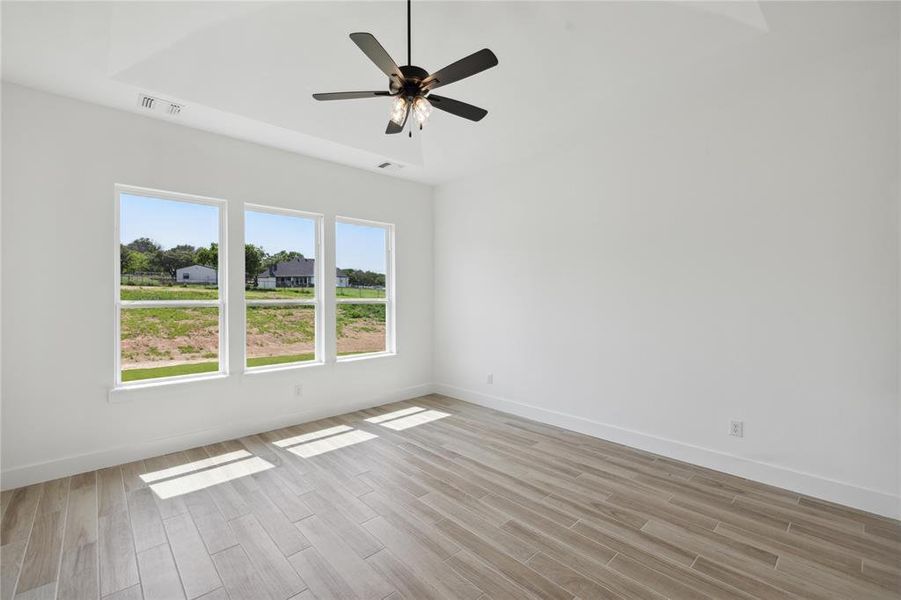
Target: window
[(364, 299), (170, 311), (282, 269)]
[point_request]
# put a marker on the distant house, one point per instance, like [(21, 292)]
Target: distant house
[(300, 272), (195, 274)]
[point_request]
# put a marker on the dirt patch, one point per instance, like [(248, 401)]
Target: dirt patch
[(161, 337), (366, 336)]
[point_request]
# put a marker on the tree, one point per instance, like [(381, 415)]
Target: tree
[(137, 262), (279, 257), (358, 278), (124, 254), (177, 257), (208, 256), (253, 261), (145, 246)]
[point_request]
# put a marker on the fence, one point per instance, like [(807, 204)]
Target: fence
[(142, 278), (164, 279), (360, 292)]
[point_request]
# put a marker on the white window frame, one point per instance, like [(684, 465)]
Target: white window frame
[(316, 302), (389, 300), (221, 280)]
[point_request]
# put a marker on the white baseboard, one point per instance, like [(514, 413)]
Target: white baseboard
[(72, 465), (840, 492)]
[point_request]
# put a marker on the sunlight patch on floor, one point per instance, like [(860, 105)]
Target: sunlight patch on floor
[(194, 466), (313, 435), (414, 420), (334, 442), (395, 414), (204, 479)]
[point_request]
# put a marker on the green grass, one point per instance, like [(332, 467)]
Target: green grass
[(287, 324), (279, 293), (183, 292), (168, 323), (365, 317), (359, 293), (208, 367), (300, 293), (170, 371), (211, 367), (263, 361)]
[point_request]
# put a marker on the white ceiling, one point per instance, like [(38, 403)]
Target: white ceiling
[(248, 69)]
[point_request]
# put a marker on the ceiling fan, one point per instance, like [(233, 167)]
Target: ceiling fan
[(411, 86)]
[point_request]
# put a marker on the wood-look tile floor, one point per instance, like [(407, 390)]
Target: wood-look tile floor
[(433, 498)]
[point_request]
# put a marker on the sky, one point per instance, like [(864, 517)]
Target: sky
[(360, 247), (280, 232), (167, 222), (170, 223)]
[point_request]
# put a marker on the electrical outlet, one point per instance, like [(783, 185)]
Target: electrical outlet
[(298, 390), (490, 378), (737, 428)]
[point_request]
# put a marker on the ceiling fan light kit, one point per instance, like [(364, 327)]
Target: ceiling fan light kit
[(411, 86)]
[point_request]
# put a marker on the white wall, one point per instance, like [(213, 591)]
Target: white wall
[(61, 159), (724, 248)]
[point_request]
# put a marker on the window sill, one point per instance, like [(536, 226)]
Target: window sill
[(120, 393), (359, 357), (284, 367)]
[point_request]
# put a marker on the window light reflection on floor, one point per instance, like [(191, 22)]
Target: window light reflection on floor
[(194, 466), (210, 477), (321, 446), (395, 414), (414, 420), (313, 435)]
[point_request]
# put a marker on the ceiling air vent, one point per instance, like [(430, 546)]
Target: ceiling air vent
[(152, 103), (389, 166)]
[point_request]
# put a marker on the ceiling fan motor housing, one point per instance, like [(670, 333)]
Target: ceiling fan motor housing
[(413, 78)]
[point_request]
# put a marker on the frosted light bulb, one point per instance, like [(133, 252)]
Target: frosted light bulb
[(399, 110), (422, 108)]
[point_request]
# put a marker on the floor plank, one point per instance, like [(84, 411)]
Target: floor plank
[(242, 582), (366, 583), (159, 576), (198, 574), (79, 567), (277, 574), (40, 565), (146, 522), (118, 565), (324, 581)]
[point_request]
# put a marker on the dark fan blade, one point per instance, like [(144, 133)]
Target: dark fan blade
[(455, 107), (373, 49), (463, 68), (349, 95), (394, 127)]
